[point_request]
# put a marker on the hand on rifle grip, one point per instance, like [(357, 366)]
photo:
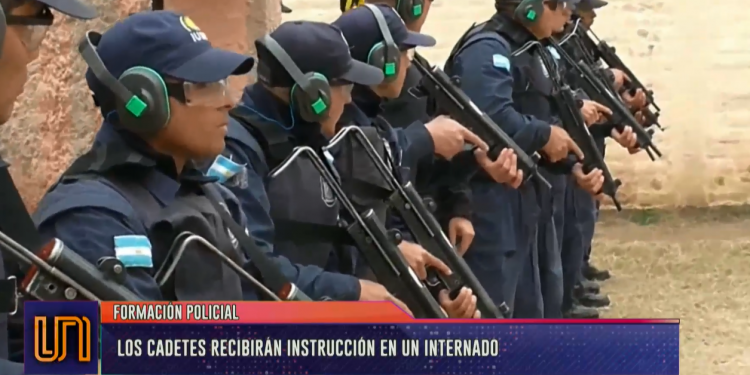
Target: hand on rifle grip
[(591, 182), (463, 306), (560, 145)]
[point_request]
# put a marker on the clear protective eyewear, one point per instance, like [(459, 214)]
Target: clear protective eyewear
[(32, 29), (211, 94)]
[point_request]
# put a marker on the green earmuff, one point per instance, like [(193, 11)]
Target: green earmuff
[(385, 55), (141, 96), (529, 11), (311, 94), (410, 10)]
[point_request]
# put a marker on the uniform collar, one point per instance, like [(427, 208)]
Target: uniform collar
[(367, 101), (125, 150), (260, 100)]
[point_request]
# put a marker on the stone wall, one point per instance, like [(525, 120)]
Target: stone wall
[(55, 119), (699, 72)]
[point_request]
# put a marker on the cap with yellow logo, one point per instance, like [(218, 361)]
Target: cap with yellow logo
[(171, 44)]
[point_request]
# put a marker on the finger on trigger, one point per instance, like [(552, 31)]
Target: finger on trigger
[(437, 263), (576, 150), (470, 137)]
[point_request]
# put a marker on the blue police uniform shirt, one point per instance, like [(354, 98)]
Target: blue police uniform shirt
[(93, 215), (487, 79), (255, 203)]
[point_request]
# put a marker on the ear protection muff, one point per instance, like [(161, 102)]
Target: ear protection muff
[(384, 55), (410, 10), (3, 26), (141, 97), (311, 94), (529, 11)]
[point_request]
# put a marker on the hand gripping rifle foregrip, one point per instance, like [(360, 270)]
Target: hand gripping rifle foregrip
[(454, 102), (424, 226), (373, 241), (599, 92)]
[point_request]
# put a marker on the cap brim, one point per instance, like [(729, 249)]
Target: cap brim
[(596, 4), (212, 66), (417, 40), (73, 8), (591, 4), (362, 74)]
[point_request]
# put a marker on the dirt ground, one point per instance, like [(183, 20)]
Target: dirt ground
[(692, 265)]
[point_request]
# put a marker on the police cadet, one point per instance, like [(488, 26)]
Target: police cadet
[(581, 295), (635, 102), (379, 37), (513, 89), (407, 108), (305, 76), (138, 187), (392, 102), (23, 27)]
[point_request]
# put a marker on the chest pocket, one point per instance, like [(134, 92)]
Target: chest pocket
[(192, 271), (532, 91)]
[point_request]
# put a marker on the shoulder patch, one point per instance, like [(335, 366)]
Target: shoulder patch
[(228, 172), (501, 62), (133, 251), (553, 52)]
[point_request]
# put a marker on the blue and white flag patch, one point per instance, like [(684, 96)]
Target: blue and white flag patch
[(553, 52), (500, 61), (224, 169), (134, 251)]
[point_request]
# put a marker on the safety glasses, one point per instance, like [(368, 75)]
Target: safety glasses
[(213, 94), (32, 29)]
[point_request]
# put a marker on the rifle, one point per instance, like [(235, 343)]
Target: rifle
[(373, 241), (57, 273), (608, 54), (454, 102), (573, 122), (599, 92), (428, 233)]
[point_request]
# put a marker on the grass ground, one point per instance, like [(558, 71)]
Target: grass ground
[(692, 264)]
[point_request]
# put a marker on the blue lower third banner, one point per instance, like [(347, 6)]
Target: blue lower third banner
[(187, 346)]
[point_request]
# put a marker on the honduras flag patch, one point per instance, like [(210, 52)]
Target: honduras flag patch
[(227, 171), (501, 62), (134, 251)]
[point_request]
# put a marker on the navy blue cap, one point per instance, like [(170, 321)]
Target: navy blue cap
[(314, 47), (73, 8), (170, 44), (361, 30)]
